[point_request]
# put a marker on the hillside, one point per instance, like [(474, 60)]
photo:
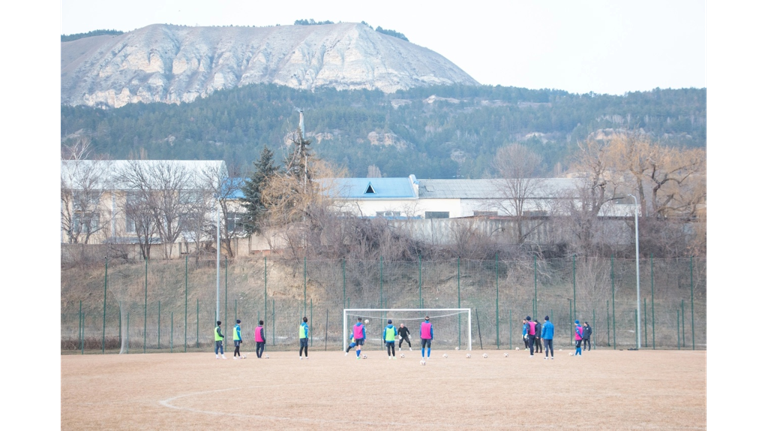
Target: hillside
[(174, 64), (432, 132)]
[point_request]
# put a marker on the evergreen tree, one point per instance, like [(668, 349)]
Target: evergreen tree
[(255, 209)]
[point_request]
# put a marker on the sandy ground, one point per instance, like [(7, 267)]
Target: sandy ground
[(603, 389)]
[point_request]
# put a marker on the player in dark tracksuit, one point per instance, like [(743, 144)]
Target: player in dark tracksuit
[(403, 332), (538, 336), (586, 333)]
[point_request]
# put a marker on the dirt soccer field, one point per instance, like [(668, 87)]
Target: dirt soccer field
[(604, 389)]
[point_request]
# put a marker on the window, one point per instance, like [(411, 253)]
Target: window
[(86, 222), (130, 225), (436, 214), (370, 190), (486, 213), (387, 213), (235, 221), (84, 201), (535, 213), (188, 197)]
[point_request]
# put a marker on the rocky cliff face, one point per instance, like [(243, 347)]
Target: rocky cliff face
[(174, 64)]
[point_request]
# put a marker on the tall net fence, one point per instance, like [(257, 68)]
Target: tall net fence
[(172, 305)]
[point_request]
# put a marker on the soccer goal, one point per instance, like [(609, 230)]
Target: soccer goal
[(452, 327)]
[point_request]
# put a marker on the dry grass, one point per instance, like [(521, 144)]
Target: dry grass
[(601, 390)]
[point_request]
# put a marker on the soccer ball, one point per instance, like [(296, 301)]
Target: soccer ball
[(245, 357), (402, 355), (266, 356), (445, 355), (561, 350), (485, 355), (366, 321), (469, 355), (517, 348), (457, 348), (506, 355), (423, 362), (570, 353), (365, 356)]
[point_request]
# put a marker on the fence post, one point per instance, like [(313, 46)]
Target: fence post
[(82, 344), (197, 323), (645, 321), (305, 286), (186, 297), (326, 329), (421, 301), (80, 325), (653, 314), (574, 287), (265, 293), (678, 328), (570, 319), (613, 302), (510, 329), (171, 331), (146, 264), (343, 284), (311, 325), (226, 268), (104, 319), (636, 327), (608, 321), (128, 333), (120, 324), (535, 290), (594, 330), (458, 293), (273, 321), (158, 325), (497, 301), (693, 331), (682, 319)]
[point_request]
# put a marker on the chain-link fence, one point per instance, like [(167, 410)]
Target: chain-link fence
[(172, 305)]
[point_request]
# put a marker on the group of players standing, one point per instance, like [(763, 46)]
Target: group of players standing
[(426, 332), (534, 332)]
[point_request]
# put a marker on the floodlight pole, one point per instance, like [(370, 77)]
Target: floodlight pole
[(637, 272), (218, 253)]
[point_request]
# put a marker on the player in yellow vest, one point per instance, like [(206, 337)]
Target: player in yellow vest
[(219, 340), (237, 339), (389, 339)]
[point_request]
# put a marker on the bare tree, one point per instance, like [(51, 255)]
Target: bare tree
[(140, 221), (518, 186), (582, 206), (82, 186), (223, 188), (164, 189)]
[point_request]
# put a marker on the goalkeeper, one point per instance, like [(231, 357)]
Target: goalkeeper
[(403, 332)]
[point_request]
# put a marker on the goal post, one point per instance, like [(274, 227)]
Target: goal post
[(448, 326)]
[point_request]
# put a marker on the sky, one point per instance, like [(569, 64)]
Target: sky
[(597, 46)]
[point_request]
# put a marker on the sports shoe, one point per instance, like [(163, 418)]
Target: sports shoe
[(399, 349), (301, 358), (358, 357), (223, 357), (346, 353), (217, 356), (410, 349)]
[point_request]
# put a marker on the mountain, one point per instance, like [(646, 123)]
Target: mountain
[(174, 64)]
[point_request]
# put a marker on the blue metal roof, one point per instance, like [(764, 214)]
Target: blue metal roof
[(373, 188)]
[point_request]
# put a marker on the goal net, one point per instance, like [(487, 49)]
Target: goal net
[(451, 326)]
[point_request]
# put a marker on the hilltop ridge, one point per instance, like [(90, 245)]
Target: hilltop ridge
[(175, 64)]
